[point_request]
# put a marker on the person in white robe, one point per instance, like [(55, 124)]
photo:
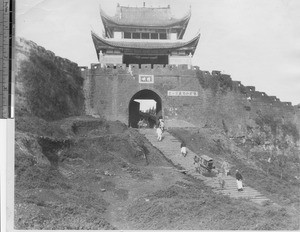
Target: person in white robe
[(239, 180), (159, 134), (183, 149)]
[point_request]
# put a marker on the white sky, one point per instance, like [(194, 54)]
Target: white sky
[(257, 42)]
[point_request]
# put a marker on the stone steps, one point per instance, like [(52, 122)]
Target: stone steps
[(170, 147)]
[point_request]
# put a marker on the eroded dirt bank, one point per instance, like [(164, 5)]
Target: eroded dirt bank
[(87, 173)]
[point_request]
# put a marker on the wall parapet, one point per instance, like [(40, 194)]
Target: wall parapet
[(249, 92), (146, 68)]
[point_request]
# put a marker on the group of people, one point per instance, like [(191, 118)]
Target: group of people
[(142, 123), (225, 168), (225, 171)]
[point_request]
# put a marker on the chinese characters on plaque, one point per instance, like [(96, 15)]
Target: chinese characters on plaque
[(146, 79), (183, 93)]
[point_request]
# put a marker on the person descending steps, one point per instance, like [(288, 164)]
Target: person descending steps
[(161, 124), (169, 147), (221, 179), (183, 149), (239, 181), (159, 133)]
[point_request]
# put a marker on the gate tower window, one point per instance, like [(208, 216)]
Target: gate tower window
[(136, 35), (162, 35), (154, 35), (145, 35), (127, 35)]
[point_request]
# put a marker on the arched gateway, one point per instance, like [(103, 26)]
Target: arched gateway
[(135, 113), (142, 55)]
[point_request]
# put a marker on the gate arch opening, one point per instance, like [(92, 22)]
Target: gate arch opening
[(137, 112)]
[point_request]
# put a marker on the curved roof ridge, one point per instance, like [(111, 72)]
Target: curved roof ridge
[(147, 17), (150, 44)]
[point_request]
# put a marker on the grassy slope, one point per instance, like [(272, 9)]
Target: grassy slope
[(215, 144), (79, 191), (194, 206)]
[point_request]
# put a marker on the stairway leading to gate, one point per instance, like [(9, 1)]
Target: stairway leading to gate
[(170, 148)]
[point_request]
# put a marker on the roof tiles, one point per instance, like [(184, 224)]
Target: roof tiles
[(146, 16)]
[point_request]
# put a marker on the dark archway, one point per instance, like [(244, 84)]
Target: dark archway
[(134, 108)]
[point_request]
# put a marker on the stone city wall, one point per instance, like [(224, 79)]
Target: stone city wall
[(220, 100)]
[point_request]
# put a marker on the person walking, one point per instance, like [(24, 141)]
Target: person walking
[(161, 124), (159, 134), (225, 168), (183, 149), (239, 180), (221, 179), (140, 123)]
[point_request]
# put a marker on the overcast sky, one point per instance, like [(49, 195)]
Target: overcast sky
[(257, 42)]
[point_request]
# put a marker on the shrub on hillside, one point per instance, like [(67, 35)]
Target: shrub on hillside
[(51, 92), (217, 83), (290, 129), (272, 125)]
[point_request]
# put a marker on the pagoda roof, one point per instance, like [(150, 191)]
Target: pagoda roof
[(145, 44), (144, 17)]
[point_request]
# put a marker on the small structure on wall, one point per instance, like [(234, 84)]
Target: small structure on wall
[(144, 35)]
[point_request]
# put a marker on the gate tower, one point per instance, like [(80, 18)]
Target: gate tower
[(144, 35), (142, 56)]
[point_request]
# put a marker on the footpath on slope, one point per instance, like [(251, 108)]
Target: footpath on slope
[(170, 148)]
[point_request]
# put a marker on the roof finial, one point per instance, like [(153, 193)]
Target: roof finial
[(144, 4)]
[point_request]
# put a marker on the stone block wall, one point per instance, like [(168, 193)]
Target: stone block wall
[(111, 89)]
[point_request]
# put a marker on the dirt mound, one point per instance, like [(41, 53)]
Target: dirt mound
[(64, 169)]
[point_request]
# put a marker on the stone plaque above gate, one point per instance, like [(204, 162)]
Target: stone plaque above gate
[(183, 93), (146, 79)]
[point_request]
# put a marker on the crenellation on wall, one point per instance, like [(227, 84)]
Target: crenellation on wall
[(171, 66), (145, 66), (274, 98), (83, 68), (121, 66), (215, 72), (236, 86), (95, 66), (287, 103), (206, 72), (149, 68), (111, 89), (250, 89), (158, 66)]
